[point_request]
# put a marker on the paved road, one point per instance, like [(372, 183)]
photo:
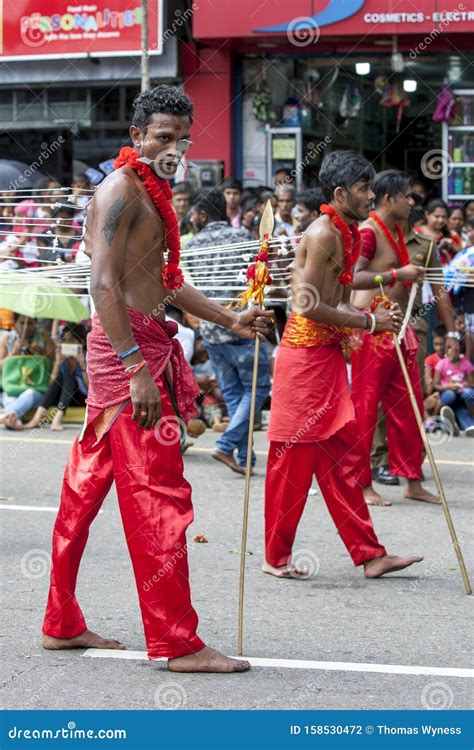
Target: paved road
[(418, 617)]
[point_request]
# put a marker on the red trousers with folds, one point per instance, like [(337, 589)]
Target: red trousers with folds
[(377, 378), (335, 463), (155, 506)]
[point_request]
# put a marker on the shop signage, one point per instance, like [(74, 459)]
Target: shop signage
[(227, 18), (54, 28)]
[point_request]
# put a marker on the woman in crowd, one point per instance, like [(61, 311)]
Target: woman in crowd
[(25, 339), (454, 379), (68, 381), (448, 243), (456, 221)]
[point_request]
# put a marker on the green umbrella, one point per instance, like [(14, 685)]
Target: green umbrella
[(40, 300)]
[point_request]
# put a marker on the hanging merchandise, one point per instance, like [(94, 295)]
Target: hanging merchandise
[(445, 110), (392, 96), (311, 94), (262, 106), (351, 102)]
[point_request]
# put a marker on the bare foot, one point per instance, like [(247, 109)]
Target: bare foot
[(285, 571), (87, 639), (30, 425), (373, 498), (207, 660), (416, 491), (56, 427), (229, 461), (379, 566)]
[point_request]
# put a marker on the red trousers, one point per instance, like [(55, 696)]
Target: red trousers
[(377, 378), (336, 465), (155, 505)]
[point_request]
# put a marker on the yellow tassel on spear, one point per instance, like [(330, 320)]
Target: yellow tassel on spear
[(258, 276)]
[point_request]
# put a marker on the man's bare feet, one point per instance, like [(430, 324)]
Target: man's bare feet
[(87, 639), (56, 427), (285, 571), (373, 498), (207, 660), (416, 491), (379, 566), (228, 461)]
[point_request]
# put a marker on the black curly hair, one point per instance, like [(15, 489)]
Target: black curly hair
[(343, 169), (163, 98)]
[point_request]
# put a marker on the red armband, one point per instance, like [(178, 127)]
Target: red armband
[(394, 275)]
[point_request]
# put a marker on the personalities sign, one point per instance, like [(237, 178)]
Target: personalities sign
[(53, 28)]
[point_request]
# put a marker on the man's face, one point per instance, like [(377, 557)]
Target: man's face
[(420, 190), (401, 205), (303, 216), (163, 141), (197, 218), (232, 197), (286, 202), (283, 178), (460, 324), (359, 199), (180, 203)]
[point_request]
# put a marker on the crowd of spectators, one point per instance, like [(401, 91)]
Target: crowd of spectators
[(38, 230)]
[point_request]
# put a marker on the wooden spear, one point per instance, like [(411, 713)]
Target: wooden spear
[(259, 277), (429, 452)]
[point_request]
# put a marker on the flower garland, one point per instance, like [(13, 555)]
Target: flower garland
[(351, 243), (400, 246), (160, 192)]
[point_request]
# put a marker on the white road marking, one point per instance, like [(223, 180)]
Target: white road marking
[(45, 508), (193, 449), (329, 666)]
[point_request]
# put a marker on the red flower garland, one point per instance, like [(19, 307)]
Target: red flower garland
[(351, 243), (159, 191), (400, 247)]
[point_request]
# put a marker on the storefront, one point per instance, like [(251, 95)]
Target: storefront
[(69, 74), (349, 76)]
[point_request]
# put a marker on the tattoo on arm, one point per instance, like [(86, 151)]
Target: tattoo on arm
[(112, 219)]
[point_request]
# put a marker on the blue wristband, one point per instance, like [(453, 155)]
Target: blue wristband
[(130, 351)]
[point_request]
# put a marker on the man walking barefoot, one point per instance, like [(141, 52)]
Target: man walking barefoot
[(139, 384), (376, 372), (312, 427)]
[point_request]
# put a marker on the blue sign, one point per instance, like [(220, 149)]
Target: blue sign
[(335, 11)]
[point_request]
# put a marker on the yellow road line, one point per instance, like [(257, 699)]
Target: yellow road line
[(193, 449)]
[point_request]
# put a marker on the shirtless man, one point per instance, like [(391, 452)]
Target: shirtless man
[(376, 372), (312, 426), (139, 382)]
